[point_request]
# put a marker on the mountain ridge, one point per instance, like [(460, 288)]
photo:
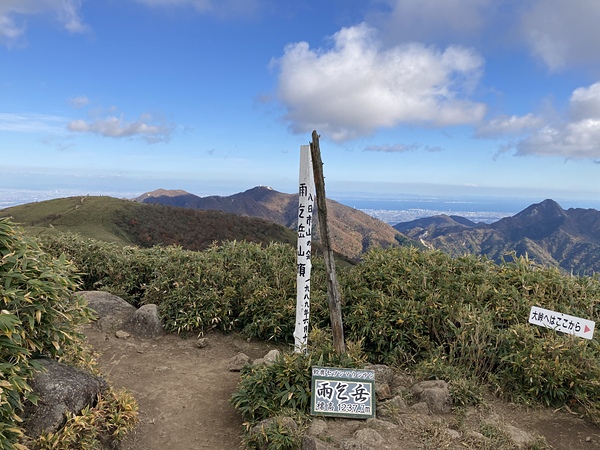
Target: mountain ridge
[(352, 231), (545, 232)]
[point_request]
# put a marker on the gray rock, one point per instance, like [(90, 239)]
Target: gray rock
[(397, 403), (61, 389), (238, 362), (318, 427), (313, 443), (120, 334), (369, 436), (381, 424), (145, 322), (383, 391), (522, 439), (268, 359), (383, 373), (271, 357), (420, 408), (400, 381), (353, 444), (112, 311), (452, 434), (436, 394)]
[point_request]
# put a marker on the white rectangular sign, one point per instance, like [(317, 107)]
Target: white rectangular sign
[(343, 392), (562, 322)]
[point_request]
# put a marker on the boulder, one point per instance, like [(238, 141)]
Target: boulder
[(237, 363), (436, 394), (269, 358), (112, 311), (61, 389), (145, 322), (314, 443), (521, 438), (383, 373), (318, 427)]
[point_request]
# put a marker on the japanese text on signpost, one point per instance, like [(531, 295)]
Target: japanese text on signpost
[(304, 265)]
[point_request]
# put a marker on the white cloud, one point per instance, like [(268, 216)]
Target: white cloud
[(578, 137), (571, 140), (78, 102), (505, 126), (357, 86), (14, 12), (146, 127), (562, 33), (585, 102), (32, 123)]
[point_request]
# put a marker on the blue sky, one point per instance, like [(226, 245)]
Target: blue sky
[(410, 97)]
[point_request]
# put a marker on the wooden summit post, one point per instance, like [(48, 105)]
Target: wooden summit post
[(333, 288)]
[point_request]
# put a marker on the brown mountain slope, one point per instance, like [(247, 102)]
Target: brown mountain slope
[(352, 231)]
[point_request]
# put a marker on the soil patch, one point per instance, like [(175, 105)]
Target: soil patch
[(183, 391), (183, 394)]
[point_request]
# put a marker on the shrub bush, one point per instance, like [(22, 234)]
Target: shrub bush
[(463, 319), (39, 314), (467, 317)]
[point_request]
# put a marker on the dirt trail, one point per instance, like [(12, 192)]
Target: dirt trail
[(183, 394), (183, 391)]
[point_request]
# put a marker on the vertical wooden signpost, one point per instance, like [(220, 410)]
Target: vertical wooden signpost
[(311, 181), (333, 288), (305, 214)]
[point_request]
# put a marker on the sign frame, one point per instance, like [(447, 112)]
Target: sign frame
[(343, 392)]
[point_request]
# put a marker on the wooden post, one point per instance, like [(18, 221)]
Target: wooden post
[(333, 288)]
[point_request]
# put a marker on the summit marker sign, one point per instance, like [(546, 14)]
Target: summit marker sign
[(562, 322)]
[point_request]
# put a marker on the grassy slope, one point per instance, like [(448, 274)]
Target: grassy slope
[(125, 222), (91, 217)]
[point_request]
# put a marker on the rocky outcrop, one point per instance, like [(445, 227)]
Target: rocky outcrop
[(115, 315), (61, 389), (112, 311), (145, 322)]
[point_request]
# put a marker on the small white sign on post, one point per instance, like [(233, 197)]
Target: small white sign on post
[(562, 322), (306, 200)]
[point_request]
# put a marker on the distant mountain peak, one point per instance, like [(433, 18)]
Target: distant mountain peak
[(355, 231), (162, 193), (546, 209)]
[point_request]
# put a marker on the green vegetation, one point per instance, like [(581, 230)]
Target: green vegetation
[(463, 319), (39, 315)]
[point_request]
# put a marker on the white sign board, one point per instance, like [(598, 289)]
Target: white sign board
[(343, 392), (562, 322), (306, 200)]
